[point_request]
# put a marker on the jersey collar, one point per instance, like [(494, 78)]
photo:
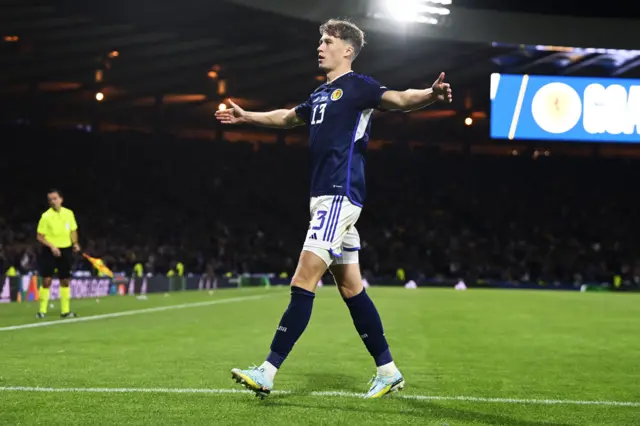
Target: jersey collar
[(341, 75)]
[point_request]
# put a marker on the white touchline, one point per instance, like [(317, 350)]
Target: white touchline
[(134, 312), (325, 393)]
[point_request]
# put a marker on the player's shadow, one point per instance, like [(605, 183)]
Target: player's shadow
[(421, 412), (431, 409), (331, 382), (328, 405)]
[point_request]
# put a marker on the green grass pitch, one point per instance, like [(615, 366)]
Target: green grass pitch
[(478, 357)]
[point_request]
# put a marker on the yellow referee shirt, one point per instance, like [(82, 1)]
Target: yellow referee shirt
[(57, 227)]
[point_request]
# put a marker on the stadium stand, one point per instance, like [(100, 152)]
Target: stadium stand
[(230, 208)]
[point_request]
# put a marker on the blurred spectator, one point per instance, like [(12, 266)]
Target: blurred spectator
[(220, 207)]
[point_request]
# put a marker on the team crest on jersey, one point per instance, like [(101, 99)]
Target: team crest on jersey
[(337, 94)]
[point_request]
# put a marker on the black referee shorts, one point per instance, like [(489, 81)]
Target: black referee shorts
[(49, 263)]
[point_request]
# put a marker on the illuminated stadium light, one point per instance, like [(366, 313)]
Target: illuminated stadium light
[(114, 54), (468, 121), (212, 74), (11, 38), (403, 10), (99, 96), (222, 107), (412, 11), (222, 87)]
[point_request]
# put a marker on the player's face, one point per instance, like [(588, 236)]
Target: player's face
[(332, 52), (55, 200)]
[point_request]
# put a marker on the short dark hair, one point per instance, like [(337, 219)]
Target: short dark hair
[(345, 30), (57, 191)]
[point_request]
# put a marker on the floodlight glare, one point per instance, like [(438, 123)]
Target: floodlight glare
[(419, 11), (425, 20), (403, 10), (433, 10)]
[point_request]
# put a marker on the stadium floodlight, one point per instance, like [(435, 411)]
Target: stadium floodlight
[(402, 10), (411, 11)]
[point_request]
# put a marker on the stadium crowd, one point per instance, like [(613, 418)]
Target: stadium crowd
[(225, 207)]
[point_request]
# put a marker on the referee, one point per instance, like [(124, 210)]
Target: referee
[(58, 233)]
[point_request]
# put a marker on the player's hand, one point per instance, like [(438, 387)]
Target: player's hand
[(233, 115), (55, 251), (76, 248), (442, 90)]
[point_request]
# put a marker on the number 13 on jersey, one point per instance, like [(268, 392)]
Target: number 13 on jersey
[(318, 113)]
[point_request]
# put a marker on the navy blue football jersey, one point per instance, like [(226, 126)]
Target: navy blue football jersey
[(339, 118)]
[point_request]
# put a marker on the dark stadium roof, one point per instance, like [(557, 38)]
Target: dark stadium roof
[(195, 54), (610, 9)]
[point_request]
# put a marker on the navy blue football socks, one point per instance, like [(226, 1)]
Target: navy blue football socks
[(292, 325), (367, 321)]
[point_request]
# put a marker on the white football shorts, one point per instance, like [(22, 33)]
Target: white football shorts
[(332, 234)]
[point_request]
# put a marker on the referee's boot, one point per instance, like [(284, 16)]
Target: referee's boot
[(40, 315), (68, 315)]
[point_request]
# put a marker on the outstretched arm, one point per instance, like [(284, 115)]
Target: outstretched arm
[(413, 99), (279, 118)]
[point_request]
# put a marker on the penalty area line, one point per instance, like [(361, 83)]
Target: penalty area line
[(324, 394), (132, 312)]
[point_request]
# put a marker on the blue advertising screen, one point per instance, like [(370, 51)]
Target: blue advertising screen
[(560, 108)]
